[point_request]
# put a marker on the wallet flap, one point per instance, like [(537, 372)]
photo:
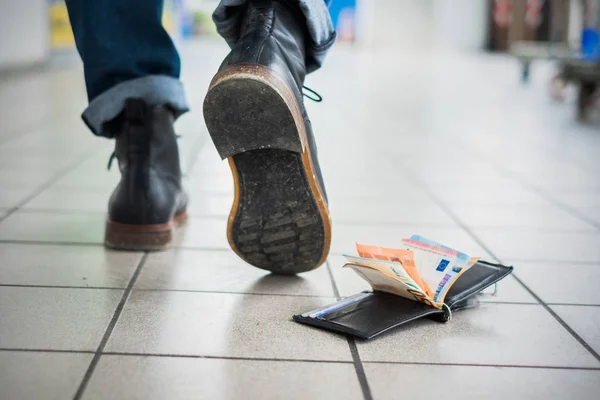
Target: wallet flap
[(372, 314), (477, 278)]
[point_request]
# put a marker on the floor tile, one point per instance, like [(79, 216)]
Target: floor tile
[(19, 179), (481, 181), (11, 197), (498, 334), (592, 213), (574, 182), (41, 376), (61, 199), (224, 271), (223, 325), (462, 382), (345, 236), (215, 184), (203, 233), (577, 199), (584, 320), (202, 205), (50, 265), (548, 282), (104, 181), (515, 195), (349, 283), (341, 192), (160, 378), (539, 245), (52, 227), (473, 175), (397, 211), (58, 319), (546, 218)]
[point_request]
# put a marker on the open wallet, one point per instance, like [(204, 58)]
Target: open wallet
[(370, 313)]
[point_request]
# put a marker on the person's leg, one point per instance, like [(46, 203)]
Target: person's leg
[(131, 72), (126, 53), (255, 114)]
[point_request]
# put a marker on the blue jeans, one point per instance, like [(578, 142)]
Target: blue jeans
[(126, 52)]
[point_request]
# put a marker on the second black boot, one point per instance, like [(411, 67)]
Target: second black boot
[(149, 200), (255, 114)]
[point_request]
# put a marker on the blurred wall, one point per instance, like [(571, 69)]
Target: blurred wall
[(460, 25), (24, 33), (421, 25), (401, 24)]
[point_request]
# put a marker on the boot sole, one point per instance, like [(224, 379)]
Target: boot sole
[(279, 220), (142, 237)]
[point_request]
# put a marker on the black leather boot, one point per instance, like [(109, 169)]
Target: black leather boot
[(255, 114), (149, 200)]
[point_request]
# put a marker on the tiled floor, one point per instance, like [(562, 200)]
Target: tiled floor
[(452, 147)]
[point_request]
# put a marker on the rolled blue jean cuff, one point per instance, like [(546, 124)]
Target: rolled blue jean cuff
[(154, 89)]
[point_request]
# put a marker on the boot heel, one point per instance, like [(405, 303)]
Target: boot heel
[(248, 108), (142, 237)]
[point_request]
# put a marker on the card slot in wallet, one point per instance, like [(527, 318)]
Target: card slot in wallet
[(369, 314)]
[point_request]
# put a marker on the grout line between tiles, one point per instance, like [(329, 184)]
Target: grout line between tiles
[(485, 365), (19, 285), (392, 223), (50, 243), (536, 189), (473, 236), (336, 295), (541, 261), (109, 330), (100, 244), (514, 228), (560, 320), (573, 304), (229, 292), (545, 195), (7, 349), (167, 355), (514, 303), (208, 357), (32, 210), (358, 366), (336, 292), (56, 177), (360, 369)]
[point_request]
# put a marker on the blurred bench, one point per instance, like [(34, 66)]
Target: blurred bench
[(527, 52), (572, 68), (587, 75)]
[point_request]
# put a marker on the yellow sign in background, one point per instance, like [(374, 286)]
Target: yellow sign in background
[(61, 35)]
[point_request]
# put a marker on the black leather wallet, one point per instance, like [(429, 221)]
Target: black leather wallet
[(370, 313)]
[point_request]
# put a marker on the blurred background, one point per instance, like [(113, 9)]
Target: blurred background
[(37, 33)]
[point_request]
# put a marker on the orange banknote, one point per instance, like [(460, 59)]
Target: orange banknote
[(404, 257)]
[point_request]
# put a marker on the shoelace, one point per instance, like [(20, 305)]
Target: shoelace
[(110, 161), (316, 97)]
